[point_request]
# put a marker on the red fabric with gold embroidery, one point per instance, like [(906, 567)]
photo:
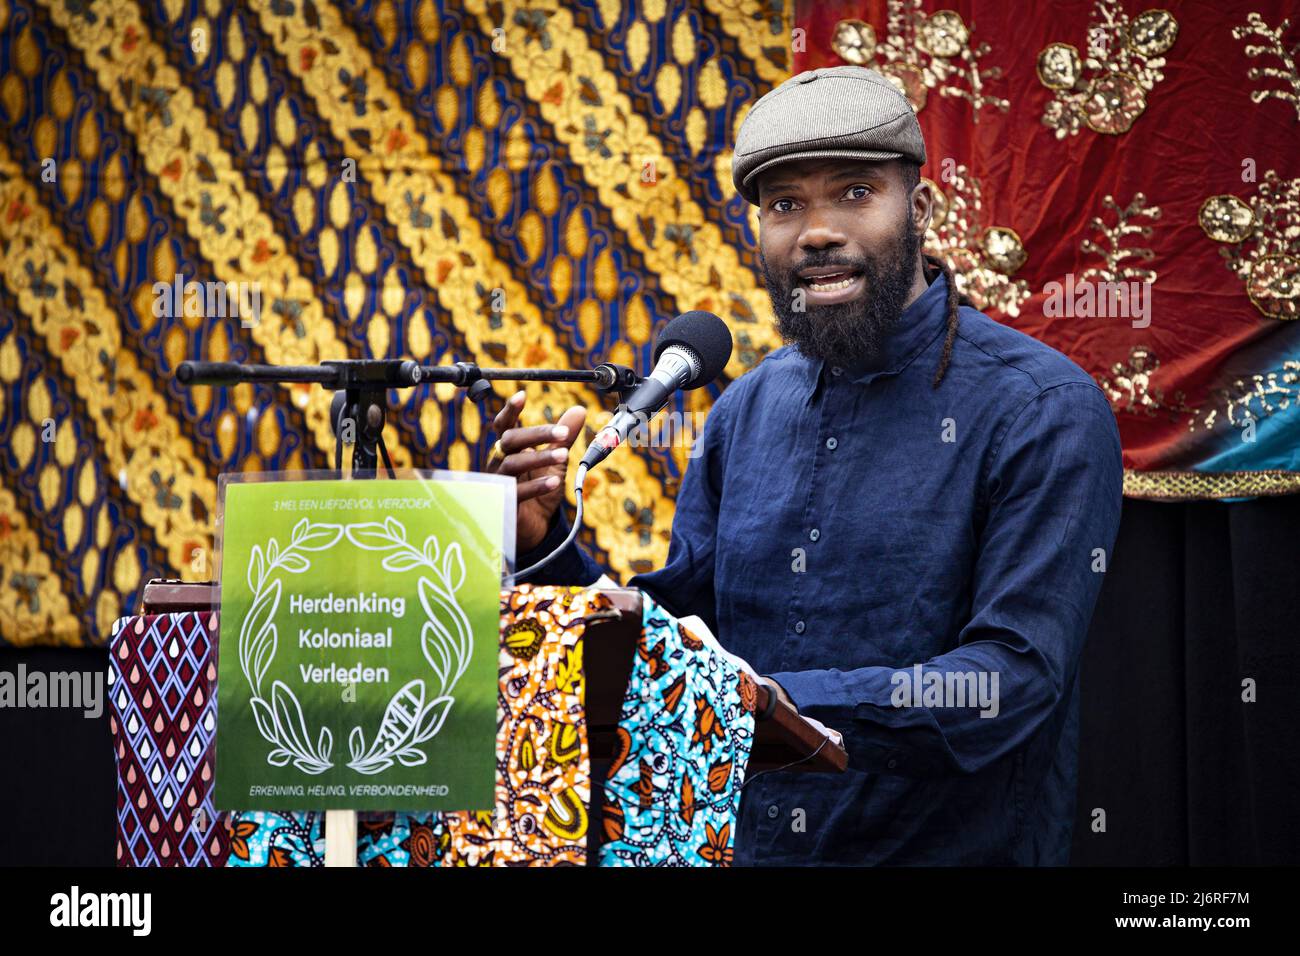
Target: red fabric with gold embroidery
[(1086, 142)]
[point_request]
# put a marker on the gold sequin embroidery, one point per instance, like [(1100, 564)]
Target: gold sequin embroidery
[(1106, 90), (1259, 243), (1272, 47), (921, 52), (1255, 397), (1112, 246), (982, 258), (1130, 388)]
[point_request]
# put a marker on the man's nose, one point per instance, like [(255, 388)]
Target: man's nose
[(820, 230)]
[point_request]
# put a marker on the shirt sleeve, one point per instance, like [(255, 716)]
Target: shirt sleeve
[(1054, 491)]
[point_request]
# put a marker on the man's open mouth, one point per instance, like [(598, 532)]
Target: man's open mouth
[(828, 279)]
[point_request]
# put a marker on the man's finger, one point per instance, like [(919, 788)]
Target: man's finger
[(525, 461), (536, 488), (573, 419), (517, 439), (509, 414)]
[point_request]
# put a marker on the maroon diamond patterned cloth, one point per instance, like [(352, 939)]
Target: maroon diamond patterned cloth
[(163, 721)]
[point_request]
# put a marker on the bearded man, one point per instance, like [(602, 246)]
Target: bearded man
[(908, 499)]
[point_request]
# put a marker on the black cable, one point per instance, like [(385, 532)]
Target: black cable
[(388, 462), (784, 767), (573, 531)]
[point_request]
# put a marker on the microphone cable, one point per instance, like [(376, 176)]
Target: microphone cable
[(581, 477)]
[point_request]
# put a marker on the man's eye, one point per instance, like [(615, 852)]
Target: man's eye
[(783, 205), (858, 192)]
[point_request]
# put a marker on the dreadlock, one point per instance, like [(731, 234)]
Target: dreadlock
[(934, 266), (954, 301)]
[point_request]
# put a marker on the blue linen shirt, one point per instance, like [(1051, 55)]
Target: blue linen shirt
[(841, 525)]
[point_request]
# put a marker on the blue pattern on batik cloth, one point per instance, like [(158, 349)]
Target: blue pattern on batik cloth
[(672, 794), (401, 839), (265, 838)]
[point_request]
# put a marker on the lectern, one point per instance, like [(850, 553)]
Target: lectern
[(785, 740)]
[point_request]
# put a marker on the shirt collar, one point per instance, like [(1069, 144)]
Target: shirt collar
[(918, 326)]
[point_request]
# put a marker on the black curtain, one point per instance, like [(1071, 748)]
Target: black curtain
[(58, 785), (1197, 598)]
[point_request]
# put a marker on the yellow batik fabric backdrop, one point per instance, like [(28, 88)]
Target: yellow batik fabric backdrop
[(537, 184)]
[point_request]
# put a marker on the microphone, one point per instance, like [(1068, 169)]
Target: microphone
[(691, 351)]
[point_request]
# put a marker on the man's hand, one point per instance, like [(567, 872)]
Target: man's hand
[(537, 456)]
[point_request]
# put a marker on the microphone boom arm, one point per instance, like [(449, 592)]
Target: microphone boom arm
[(362, 386)]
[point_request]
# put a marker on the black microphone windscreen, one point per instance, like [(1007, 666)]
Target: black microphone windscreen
[(704, 334)]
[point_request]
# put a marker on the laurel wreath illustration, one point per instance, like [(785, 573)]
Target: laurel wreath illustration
[(412, 716)]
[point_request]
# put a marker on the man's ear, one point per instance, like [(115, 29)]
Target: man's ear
[(921, 207)]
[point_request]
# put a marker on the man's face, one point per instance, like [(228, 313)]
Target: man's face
[(839, 242)]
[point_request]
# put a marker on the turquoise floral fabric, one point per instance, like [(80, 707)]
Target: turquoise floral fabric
[(262, 838), (687, 726)]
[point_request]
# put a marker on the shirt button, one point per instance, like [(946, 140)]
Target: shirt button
[(832, 444), (836, 370), (892, 763), (773, 812), (814, 534), (799, 627)]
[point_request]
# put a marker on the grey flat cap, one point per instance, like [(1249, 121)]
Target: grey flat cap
[(842, 112)]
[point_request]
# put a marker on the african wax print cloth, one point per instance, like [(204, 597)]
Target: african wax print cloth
[(672, 795)]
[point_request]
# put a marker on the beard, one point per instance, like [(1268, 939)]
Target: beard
[(846, 333)]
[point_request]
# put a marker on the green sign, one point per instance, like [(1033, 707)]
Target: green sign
[(358, 646)]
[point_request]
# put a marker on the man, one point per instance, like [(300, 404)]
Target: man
[(902, 516)]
